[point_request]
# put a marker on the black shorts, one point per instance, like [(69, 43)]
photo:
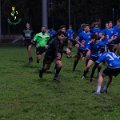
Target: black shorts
[(40, 50), (94, 58), (110, 71), (28, 42), (83, 52), (49, 58)]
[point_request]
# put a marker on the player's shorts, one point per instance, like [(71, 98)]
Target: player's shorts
[(81, 51), (110, 71), (28, 42), (49, 58), (40, 50), (94, 58)]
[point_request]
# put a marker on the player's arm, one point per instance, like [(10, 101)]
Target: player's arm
[(98, 62)]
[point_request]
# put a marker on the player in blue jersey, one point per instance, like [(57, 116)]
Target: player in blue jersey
[(51, 32), (80, 53), (86, 35), (83, 40), (96, 29), (94, 47), (112, 61), (117, 29), (81, 29), (70, 34), (110, 31)]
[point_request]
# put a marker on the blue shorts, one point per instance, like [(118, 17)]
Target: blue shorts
[(94, 58)]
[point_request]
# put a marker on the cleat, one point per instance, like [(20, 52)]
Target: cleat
[(55, 79), (38, 61), (104, 91), (40, 74), (83, 78), (30, 60)]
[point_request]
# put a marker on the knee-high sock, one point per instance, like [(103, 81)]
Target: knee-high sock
[(57, 70), (75, 64)]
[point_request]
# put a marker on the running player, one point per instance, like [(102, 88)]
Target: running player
[(86, 37), (94, 47), (54, 53), (41, 40), (96, 29), (28, 36), (112, 61)]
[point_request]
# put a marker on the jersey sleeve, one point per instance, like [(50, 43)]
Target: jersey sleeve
[(101, 58), (35, 38), (48, 38)]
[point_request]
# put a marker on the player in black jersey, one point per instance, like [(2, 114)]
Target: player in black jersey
[(28, 36), (54, 53)]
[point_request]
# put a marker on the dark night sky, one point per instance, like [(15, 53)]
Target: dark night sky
[(81, 11)]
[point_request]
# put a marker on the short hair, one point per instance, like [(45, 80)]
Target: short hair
[(61, 33), (62, 26), (118, 20), (94, 36), (86, 25), (110, 22)]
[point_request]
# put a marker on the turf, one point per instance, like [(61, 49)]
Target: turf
[(24, 96)]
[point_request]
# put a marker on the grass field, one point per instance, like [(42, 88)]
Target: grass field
[(24, 96)]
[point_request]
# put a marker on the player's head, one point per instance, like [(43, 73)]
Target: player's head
[(102, 35), (110, 24), (61, 35), (96, 24), (70, 26), (28, 25), (111, 47), (87, 28), (106, 25), (94, 37), (118, 22), (43, 29), (63, 28)]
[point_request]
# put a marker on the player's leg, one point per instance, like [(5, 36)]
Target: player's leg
[(28, 44), (93, 71), (70, 44), (108, 83), (100, 81), (88, 53), (46, 66), (89, 64), (76, 60), (29, 50), (110, 74), (58, 66), (38, 54)]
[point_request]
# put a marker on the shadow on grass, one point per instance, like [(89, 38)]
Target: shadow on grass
[(17, 61), (27, 65)]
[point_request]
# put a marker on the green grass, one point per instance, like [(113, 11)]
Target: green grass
[(24, 96)]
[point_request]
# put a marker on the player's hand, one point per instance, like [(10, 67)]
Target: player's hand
[(109, 40), (76, 45), (23, 38), (37, 46), (46, 46), (68, 52)]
